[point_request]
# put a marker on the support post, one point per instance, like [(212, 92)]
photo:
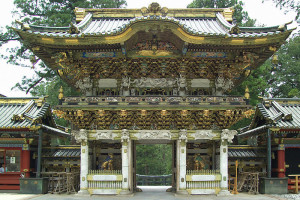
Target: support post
[(269, 166), (26, 162), (126, 145), (281, 161), (224, 167), (39, 161), (84, 164), (226, 136), (181, 162)]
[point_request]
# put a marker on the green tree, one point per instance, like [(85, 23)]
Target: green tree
[(242, 18), (46, 13), (154, 159)]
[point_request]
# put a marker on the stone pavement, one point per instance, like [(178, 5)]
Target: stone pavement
[(149, 193)]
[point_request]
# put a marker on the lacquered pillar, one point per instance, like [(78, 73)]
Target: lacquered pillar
[(281, 161)]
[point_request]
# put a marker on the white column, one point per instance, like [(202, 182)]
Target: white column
[(84, 164), (226, 136), (126, 145), (224, 165), (181, 162)]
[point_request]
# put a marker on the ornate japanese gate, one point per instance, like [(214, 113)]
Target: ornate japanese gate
[(153, 74)]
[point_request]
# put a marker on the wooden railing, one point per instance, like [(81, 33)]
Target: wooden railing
[(154, 180)]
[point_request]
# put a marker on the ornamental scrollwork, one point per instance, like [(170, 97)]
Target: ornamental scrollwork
[(183, 135), (228, 135), (125, 137), (80, 136)]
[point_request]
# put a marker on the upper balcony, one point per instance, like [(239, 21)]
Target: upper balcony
[(154, 101)]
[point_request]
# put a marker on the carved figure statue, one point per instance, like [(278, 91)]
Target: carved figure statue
[(125, 82), (199, 162), (108, 162)]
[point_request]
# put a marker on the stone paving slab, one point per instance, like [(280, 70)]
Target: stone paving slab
[(149, 193)]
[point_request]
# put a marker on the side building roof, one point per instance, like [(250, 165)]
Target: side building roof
[(27, 114), (280, 113)]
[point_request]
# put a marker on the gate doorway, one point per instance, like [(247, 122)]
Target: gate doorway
[(154, 165)]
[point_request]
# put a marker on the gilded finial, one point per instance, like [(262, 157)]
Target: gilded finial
[(61, 93), (247, 95)]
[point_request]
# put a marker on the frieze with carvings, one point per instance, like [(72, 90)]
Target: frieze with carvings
[(153, 134), (82, 72), (204, 134)]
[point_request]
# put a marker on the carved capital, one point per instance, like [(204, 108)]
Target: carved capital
[(125, 137), (80, 136), (183, 136), (228, 135)]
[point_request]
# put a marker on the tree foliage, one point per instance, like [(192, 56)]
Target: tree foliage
[(241, 17), (154, 159)]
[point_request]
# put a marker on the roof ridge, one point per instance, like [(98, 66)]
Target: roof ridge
[(286, 115)]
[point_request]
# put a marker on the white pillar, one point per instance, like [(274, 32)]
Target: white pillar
[(84, 164), (224, 165), (181, 162), (226, 136), (126, 145)]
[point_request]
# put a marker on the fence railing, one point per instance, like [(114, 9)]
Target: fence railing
[(154, 180), (202, 172), (105, 172)]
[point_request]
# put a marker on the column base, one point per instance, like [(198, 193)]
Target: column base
[(224, 193), (125, 192), (83, 192), (171, 189), (182, 192)]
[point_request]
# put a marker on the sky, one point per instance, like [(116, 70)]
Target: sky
[(266, 13)]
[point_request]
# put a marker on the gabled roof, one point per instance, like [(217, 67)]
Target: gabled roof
[(26, 114), (184, 23), (200, 26), (281, 113)]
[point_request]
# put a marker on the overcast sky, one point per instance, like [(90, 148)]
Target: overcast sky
[(265, 13)]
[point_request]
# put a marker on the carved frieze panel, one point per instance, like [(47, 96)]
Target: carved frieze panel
[(153, 134), (85, 73), (203, 134)]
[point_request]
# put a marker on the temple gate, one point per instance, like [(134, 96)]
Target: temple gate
[(153, 74)]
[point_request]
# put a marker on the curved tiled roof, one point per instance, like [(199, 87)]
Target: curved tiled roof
[(20, 115), (282, 115), (201, 26)]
